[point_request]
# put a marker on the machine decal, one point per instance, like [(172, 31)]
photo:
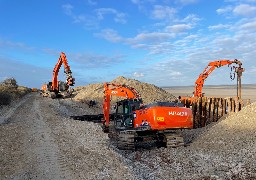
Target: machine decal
[(179, 113)]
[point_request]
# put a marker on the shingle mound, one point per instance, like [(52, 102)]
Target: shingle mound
[(237, 131), (149, 92), (230, 145)]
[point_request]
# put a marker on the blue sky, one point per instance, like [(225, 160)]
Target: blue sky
[(166, 43)]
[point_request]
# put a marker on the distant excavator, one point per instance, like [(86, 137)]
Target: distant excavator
[(57, 88), (207, 71)]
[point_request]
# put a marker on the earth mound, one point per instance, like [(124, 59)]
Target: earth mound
[(149, 92)]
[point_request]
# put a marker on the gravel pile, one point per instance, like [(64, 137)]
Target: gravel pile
[(149, 92)]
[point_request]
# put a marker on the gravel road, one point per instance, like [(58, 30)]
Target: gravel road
[(38, 140)]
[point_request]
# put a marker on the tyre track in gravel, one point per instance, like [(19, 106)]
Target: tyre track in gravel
[(7, 113), (35, 152), (85, 145), (51, 162)]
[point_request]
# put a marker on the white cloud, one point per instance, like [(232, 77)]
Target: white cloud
[(186, 2), (137, 74), (22, 72), (224, 10), (88, 60), (191, 18), (144, 5), (118, 16), (110, 35), (142, 1), (178, 28), (90, 22), (239, 10), (18, 45), (68, 9), (92, 2), (136, 1), (153, 36), (245, 10), (250, 26), (163, 12), (137, 41), (219, 26)]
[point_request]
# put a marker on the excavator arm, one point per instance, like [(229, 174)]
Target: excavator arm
[(208, 70), (111, 89), (70, 81)]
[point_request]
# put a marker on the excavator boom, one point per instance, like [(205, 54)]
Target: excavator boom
[(208, 70)]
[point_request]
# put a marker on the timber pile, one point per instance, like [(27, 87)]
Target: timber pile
[(149, 92), (206, 110)]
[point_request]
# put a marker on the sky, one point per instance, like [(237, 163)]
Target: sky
[(161, 42)]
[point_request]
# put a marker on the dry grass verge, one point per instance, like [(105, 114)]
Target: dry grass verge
[(9, 91)]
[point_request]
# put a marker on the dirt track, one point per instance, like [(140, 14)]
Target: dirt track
[(40, 141)]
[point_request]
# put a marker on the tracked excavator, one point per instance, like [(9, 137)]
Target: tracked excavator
[(134, 124), (199, 83), (57, 88)]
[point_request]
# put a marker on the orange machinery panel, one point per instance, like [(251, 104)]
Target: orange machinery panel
[(163, 118)]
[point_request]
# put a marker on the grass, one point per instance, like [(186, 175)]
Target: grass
[(9, 93)]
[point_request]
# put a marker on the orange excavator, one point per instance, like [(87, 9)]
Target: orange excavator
[(207, 71), (134, 124), (57, 88)]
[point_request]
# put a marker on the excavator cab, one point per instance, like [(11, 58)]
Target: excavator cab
[(124, 113)]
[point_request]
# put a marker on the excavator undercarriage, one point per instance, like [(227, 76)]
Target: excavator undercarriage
[(132, 139)]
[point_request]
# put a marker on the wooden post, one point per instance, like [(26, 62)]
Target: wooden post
[(197, 113), (209, 110), (241, 102), (200, 111), (233, 105), (217, 109), (229, 105), (204, 115), (222, 107), (213, 110), (194, 108), (239, 71), (225, 106)]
